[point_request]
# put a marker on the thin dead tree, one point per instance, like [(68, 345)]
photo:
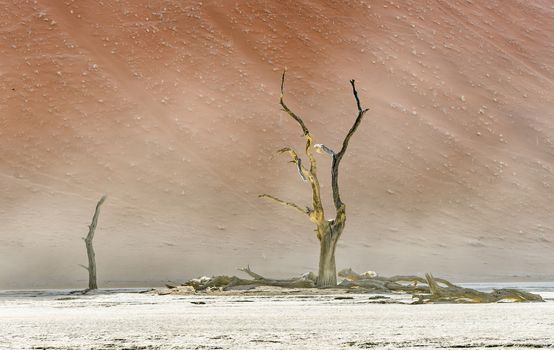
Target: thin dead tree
[(328, 231), (90, 249)]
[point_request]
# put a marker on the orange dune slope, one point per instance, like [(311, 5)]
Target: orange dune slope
[(171, 108)]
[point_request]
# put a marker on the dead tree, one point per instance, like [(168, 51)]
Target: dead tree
[(328, 231), (90, 249)]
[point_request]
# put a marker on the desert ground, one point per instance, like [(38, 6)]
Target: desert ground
[(125, 319)]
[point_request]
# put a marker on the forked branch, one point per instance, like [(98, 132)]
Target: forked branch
[(311, 174), (354, 127), (338, 156)]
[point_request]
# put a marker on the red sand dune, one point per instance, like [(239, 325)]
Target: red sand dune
[(171, 108)]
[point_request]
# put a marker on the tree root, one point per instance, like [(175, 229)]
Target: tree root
[(424, 290)]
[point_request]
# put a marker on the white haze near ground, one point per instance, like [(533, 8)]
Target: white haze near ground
[(117, 320)]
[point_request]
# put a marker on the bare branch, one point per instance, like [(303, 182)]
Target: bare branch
[(353, 82), (290, 151), (314, 182), (286, 108), (301, 123), (311, 175), (354, 127), (251, 273), (289, 204), (320, 148), (83, 266), (339, 206), (300, 172)]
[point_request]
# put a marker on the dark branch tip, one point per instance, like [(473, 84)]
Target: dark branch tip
[(355, 92), (283, 82)]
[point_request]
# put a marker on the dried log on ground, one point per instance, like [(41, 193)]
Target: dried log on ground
[(406, 284), (429, 290), (424, 290), (456, 294), (227, 282)]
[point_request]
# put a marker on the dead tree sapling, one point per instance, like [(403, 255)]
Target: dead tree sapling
[(328, 231), (90, 249)]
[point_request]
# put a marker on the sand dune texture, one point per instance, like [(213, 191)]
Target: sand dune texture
[(171, 108)]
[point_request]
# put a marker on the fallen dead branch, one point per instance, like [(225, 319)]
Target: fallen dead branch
[(230, 282), (424, 290), (428, 290), (456, 294)]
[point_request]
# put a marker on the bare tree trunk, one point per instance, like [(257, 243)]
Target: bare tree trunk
[(91, 266), (327, 276), (90, 249)]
